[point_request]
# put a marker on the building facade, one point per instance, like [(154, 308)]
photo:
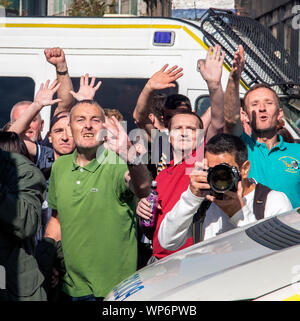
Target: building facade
[(192, 10), (281, 17), (124, 7), (27, 8), (152, 8)]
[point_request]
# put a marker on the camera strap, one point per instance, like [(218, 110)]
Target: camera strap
[(259, 202), (198, 220)]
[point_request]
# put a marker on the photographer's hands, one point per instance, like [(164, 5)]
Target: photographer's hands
[(198, 179), (199, 186), (232, 201)]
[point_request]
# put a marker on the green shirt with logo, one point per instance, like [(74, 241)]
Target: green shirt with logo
[(98, 223)]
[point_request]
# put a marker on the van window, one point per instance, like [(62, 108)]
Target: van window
[(121, 94), (13, 90), (201, 105)]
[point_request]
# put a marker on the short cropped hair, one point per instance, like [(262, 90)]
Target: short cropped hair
[(89, 102), (113, 112), (257, 86), (176, 100), (186, 112), (20, 103), (57, 117), (226, 143), (157, 104)]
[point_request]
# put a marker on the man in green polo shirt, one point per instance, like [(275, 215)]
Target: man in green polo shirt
[(93, 199), (274, 162)]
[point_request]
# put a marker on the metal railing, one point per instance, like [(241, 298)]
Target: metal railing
[(266, 59)]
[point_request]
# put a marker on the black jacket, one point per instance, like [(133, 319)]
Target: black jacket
[(22, 188)]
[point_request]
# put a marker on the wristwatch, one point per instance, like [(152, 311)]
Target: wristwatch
[(62, 73)]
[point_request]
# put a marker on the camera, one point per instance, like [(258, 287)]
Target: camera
[(223, 178)]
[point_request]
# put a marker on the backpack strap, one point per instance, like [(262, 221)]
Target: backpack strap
[(260, 198), (198, 220)]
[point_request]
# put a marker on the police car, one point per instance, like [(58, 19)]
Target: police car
[(260, 261)]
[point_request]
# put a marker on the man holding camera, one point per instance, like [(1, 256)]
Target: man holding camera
[(222, 179)]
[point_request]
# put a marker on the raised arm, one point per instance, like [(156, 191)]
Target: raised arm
[(44, 97), (162, 79), (138, 178), (211, 71), (232, 103), (86, 90), (56, 57)]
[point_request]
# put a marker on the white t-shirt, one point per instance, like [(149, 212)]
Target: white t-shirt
[(176, 227)]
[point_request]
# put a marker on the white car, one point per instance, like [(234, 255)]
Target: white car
[(260, 261)]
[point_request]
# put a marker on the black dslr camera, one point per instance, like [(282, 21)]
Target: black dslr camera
[(223, 178)]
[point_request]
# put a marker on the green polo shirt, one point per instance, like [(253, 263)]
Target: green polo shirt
[(277, 168), (98, 223)]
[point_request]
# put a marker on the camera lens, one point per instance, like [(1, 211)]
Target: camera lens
[(223, 178)]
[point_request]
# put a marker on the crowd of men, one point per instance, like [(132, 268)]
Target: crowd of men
[(71, 204)]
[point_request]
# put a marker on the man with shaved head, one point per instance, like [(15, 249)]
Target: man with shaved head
[(35, 128), (91, 194)]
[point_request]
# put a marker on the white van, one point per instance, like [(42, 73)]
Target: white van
[(121, 52)]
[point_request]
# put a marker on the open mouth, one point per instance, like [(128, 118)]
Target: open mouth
[(263, 117), (184, 140), (88, 135)]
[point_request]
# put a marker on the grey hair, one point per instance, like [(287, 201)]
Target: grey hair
[(90, 102), (23, 102)]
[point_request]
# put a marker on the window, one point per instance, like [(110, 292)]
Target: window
[(121, 94), (13, 90)]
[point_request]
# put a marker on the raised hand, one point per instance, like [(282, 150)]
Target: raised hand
[(56, 57), (44, 97), (164, 78), (86, 90), (238, 64), (117, 138), (211, 67), (198, 179)]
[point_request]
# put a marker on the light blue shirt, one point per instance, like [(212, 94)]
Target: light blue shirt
[(277, 168)]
